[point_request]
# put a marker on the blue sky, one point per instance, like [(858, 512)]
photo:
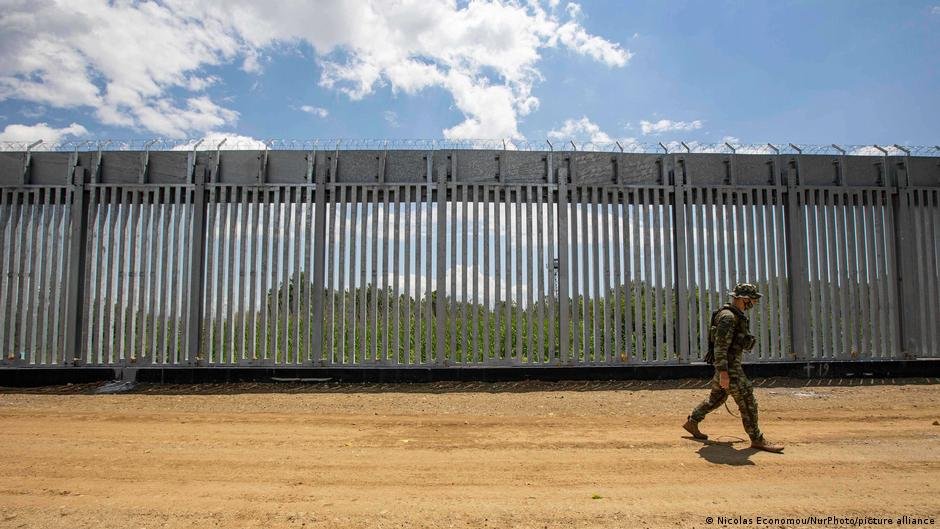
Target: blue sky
[(848, 72)]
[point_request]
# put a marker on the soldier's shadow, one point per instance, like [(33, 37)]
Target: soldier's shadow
[(724, 452)]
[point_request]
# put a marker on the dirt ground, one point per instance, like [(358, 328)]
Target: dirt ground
[(456, 455)]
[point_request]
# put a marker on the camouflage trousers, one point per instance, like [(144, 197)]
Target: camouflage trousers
[(742, 391)]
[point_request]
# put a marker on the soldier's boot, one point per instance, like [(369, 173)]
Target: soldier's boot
[(767, 446), (692, 427)]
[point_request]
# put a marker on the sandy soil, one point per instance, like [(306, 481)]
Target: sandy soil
[(537, 455)]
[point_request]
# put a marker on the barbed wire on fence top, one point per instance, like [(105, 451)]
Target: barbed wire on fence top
[(556, 145)]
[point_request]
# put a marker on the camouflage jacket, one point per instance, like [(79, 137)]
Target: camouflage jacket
[(731, 336)]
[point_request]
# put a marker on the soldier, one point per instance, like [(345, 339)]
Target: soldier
[(728, 340)]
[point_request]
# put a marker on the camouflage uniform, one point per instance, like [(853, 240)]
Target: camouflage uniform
[(731, 340)]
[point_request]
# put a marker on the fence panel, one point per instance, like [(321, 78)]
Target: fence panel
[(34, 231), (923, 205), (419, 258), (137, 279)]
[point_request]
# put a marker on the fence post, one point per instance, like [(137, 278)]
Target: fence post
[(680, 269), (900, 288), (319, 268), (441, 256), (798, 282), (76, 266), (563, 296), (196, 269)]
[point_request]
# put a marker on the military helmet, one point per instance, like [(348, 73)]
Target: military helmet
[(745, 290)]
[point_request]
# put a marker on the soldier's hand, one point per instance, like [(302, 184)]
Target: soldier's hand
[(724, 381)]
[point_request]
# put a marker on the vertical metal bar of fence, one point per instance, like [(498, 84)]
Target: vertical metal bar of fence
[(12, 305), (602, 270), (932, 290), (409, 235), (526, 251), (578, 265), (852, 268), (680, 268), (7, 202), (120, 315), (353, 264), (197, 272), (52, 279), (842, 285), (699, 264), (656, 275), (372, 289), (564, 318), (540, 272), (487, 239), (319, 268), (362, 350), (875, 280), (288, 232), (134, 283), (211, 272), (637, 276), (306, 273), (552, 262), (462, 328), (65, 280), (649, 342), (787, 267), (822, 278), (428, 248), (329, 247), (499, 352), (421, 278), (617, 283), (399, 241), (342, 262), (626, 251), (37, 350), (518, 245), (867, 278), (894, 318), (252, 235), (669, 278), (26, 288), (112, 224), (240, 232), (759, 199), (506, 206), (452, 204)]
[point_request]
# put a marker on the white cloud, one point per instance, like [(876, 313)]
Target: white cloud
[(315, 111), (666, 125), (91, 54), (746, 149), (676, 146), (233, 142), (935, 10), (573, 9), (41, 131), (578, 129), (870, 150), (391, 117)]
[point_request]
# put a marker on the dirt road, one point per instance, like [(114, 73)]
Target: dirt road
[(531, 456)]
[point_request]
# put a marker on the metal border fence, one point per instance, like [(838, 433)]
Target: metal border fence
[(373, 253)]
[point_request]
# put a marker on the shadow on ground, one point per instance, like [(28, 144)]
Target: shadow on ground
[(524, 386), (724, 453)]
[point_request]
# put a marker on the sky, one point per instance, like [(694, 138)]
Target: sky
[(839, 71)]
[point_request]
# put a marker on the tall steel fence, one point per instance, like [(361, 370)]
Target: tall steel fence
[(460, 255)]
